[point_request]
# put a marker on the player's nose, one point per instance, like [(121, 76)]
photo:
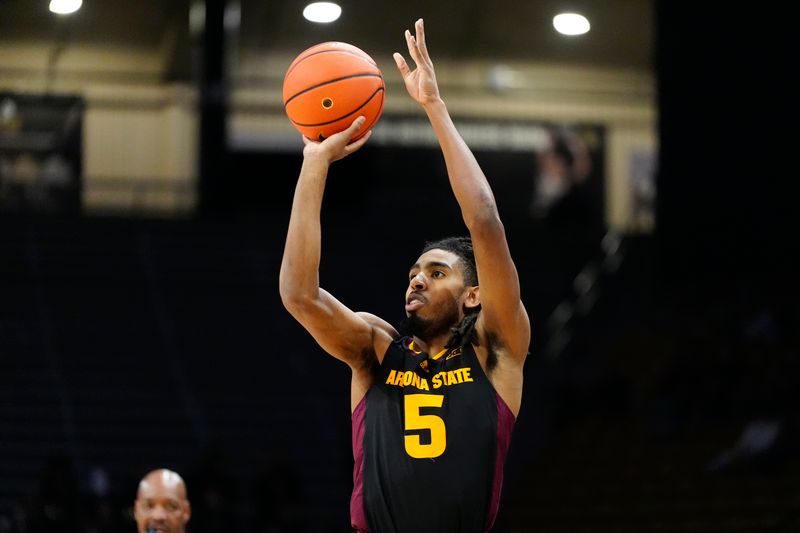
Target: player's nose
[(418, 282)]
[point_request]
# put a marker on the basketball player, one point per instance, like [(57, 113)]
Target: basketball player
[(433, 409), (161, 505)]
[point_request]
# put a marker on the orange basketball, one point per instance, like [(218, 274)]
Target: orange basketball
[(330, 84)]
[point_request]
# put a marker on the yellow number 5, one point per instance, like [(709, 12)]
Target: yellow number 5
[(433, 423)]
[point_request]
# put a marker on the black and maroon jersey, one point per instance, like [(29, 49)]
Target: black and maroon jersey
[(429, 440)]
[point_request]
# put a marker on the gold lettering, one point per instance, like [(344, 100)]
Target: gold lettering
[(440, 379), (407, 378)]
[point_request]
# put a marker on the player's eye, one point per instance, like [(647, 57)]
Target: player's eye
[(437, 274)]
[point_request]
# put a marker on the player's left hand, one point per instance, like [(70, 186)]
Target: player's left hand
[(420, 82)]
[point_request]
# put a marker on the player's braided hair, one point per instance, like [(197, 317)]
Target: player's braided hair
[(464, 331)]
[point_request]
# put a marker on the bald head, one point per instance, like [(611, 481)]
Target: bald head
[(162, 479), (161, 504)]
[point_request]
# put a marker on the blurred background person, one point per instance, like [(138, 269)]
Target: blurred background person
[(563, 167), (161, 504)]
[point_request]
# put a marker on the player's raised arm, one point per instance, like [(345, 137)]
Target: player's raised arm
[(502, 313), (346, 335)]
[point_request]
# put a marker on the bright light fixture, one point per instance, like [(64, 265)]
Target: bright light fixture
[(571, 24), (322, 12), (65, 7)]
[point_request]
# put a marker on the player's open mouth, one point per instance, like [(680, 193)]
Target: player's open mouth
[(414, 302)]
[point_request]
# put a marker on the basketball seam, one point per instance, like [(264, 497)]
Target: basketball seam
[(377, 115), (364, 75), (348, 52), (368, 100)]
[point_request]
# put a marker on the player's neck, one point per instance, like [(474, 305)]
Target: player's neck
[(432, 346)]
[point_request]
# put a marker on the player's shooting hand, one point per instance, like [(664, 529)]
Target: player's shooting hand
[(337, 145), (420, 82)]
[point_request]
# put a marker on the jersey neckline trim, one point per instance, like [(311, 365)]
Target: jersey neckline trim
[(451, 352)]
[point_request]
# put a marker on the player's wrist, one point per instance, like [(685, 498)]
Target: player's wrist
[(318, 159), (434, 104)]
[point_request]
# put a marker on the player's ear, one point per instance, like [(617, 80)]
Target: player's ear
[(472, 297), (187, 511)]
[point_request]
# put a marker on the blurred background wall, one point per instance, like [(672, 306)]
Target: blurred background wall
[(643, 172)]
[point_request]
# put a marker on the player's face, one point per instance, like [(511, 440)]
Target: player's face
[(161, 507), (436, 290)]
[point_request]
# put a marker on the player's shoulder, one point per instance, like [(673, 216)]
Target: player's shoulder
[(379, 324), (383, 333)]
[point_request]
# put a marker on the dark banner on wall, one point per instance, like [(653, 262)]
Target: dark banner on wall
[(40, 153), (538, 171)]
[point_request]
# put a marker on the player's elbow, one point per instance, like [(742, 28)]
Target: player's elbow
[(293, 297), (288, 298), (298, 306)]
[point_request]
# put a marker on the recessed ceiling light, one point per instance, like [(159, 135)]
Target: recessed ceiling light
[(322, 12), (571, 24), (65, 7)]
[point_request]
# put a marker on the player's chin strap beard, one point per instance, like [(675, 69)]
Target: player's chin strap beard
[(462, 333), (415, 326)]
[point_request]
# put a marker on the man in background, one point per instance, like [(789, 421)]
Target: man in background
[(161, 504)]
